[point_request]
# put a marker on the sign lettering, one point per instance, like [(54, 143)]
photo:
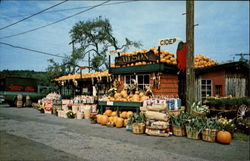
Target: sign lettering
[(149, 56), (167, 41)]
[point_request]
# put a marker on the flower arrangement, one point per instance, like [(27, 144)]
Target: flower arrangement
[(70, 114), (227, 124)]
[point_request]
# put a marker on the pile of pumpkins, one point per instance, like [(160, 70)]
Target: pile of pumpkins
[(123, 96), (201, 61), (111, 118), (165, 57)]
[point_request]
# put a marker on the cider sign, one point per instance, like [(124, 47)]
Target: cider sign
[(167, 41)]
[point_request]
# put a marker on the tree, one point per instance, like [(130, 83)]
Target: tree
[(95, 37)]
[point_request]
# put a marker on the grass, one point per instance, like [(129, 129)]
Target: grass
[(241, 136)]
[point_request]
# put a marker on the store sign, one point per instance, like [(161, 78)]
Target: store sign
[(149, 56), (167, 41)]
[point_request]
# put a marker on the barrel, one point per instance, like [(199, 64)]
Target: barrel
[(19, 104), (28, 101), (19, 97)]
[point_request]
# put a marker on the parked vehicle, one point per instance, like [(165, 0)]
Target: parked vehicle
[(10, 87)]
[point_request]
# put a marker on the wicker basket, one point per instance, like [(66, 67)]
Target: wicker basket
[(179, 131), (197, 114), (209, 135), (193, 133), (176, 112), (138, 128)]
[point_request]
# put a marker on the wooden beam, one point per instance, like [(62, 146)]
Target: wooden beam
[(190, 76)]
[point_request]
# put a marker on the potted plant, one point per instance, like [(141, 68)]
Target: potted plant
[(210, 129), (137, 121), (194, 126), (70, 114), (227, 127), (178, 123), (197, 109)]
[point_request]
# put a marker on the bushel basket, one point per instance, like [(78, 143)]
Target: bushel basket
[(209, 135), (179, 131), (138, 128)]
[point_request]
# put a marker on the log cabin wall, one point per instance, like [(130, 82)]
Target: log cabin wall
[(218, 81), (168, 85)]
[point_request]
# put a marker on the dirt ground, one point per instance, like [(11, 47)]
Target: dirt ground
[(26, 134)]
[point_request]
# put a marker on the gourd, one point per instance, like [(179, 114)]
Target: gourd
[(224, 137), (113, 113), (129, 113), (124, 114), (104, 119), (98, 117), (108, 112), (119, 122)]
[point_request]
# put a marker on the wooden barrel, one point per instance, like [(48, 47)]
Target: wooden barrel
[(19, 104), (19, 97), (28, 101)]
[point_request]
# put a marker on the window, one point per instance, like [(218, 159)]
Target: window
[(141, 79), (206, 88)]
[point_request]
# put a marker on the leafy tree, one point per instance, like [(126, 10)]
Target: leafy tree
[(95, 37)]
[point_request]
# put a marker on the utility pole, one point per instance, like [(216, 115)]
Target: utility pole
[(190, 76)]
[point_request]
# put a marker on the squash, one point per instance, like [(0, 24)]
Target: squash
[(108, 112), (98, 118), (129, 113), (124, 93), (224, 137), (104, 119), (119, 122), (114, 113), (124, 114)]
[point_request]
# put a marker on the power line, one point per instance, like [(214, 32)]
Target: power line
[(32, 15), (55, 21), (76, 8), (37, 51)]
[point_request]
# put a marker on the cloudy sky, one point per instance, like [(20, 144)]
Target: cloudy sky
[(222, 32)]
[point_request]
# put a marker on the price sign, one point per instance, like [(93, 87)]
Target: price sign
[(110, 103)]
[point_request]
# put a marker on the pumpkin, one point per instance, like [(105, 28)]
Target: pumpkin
[(114, 113), (117, 95), (104, 119), (124, 114), (224, 137), (111, 119), (129, 113), (98, 117), (119, 122), (108, 112), (125, 122), (124, 93)]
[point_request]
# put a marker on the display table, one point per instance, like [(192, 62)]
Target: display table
[(119, 105)]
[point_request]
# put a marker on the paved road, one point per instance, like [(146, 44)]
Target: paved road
[(26, 134)]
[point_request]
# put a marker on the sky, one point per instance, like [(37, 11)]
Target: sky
[(222, 31)]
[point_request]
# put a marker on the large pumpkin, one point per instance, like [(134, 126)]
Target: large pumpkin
[(98, 118), (124, 114), (224, 137), (119, 122), (129, 113), (104, 119), (114, 114), (108, 112), (124, 93)]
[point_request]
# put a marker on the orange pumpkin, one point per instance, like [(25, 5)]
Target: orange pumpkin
[(224, 137), (108, 112), (129, 113), (113, 113), (98, 118), (104, 119), (124, 114), (119, 122)]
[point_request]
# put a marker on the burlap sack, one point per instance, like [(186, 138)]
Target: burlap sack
[(157, 107), (152, 115)]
